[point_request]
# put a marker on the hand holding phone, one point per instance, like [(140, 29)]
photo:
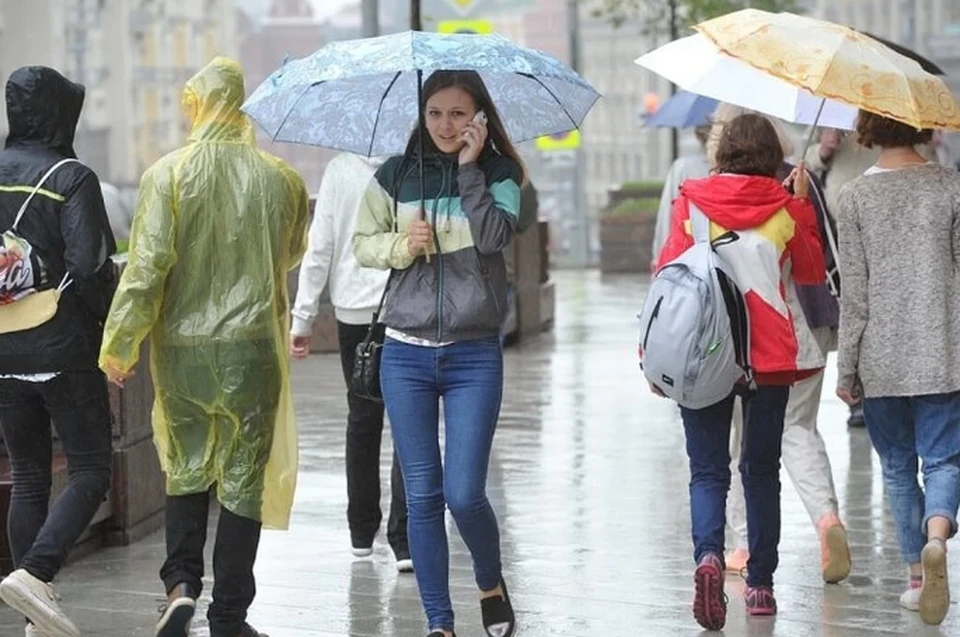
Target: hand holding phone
[(474, 137)]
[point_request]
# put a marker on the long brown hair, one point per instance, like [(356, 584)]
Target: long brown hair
[(471, 83)]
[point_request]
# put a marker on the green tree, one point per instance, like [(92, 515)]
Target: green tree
[(656, 14)]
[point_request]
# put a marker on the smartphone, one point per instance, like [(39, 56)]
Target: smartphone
[(480, 117)]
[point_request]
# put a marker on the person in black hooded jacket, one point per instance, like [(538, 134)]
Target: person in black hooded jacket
[(49, 372)]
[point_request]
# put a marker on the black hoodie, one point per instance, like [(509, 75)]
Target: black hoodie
[(66, 223)]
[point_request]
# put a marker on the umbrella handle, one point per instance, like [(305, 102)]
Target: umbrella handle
[(813, 129)]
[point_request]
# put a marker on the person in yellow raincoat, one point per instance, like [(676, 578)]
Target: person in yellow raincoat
[(218, 226)]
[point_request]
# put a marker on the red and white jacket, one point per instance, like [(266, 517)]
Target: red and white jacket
[(778, 244)]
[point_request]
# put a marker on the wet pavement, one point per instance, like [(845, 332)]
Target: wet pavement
[(589, 480)]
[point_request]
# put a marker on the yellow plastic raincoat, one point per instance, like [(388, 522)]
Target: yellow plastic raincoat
[(218, 226)]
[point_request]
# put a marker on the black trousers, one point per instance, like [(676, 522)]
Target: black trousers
[(234, 554), (364, 435), (79, 406)]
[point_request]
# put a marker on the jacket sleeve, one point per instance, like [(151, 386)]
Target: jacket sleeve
[(140, 295), (315, 268), (854, 308), (85, 230), (529, 208), (375, 244), (491, 212), (679, 240), (806, 251)]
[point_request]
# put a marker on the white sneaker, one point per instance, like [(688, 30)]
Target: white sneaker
[(35, 600), (362, 552), (405, 566), (911, 599), (935, 594)]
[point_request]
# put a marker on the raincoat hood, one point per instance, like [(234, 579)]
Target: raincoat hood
[(43, 109), (737, 202), (212, 100)]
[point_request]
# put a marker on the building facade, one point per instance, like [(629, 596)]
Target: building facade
[(133, 56)]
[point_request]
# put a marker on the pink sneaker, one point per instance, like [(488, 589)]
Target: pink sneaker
[(709, 602), (760, 601)]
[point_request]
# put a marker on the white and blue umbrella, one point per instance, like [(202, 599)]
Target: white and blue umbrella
[(361, 96)]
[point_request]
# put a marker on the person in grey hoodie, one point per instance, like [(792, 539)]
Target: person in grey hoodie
[(355, 292)]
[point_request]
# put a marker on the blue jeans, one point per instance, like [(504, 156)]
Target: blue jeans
[(905, 431), (708, 448), (468, 376)]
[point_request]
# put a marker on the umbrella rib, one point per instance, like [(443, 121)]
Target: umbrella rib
[(376, 122), (292, 108), (553, 95)]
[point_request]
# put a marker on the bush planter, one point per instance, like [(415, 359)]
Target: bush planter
[(627, 228)]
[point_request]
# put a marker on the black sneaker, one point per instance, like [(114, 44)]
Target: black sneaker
[(177, 613), (498, 617), (404, 562), (246, 631)]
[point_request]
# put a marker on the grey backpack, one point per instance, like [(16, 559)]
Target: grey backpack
[(694, 328)]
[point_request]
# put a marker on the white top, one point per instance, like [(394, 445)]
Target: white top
[(31, 378), (354, 291), (414, 340), (877, 170)]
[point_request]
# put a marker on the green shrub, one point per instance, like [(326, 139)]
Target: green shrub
[(644, 187), (636, 206)]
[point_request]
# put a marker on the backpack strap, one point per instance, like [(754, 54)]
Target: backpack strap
[(37, 188), (699, 224)]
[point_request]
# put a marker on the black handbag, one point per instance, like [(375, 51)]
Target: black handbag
[(365, 379)]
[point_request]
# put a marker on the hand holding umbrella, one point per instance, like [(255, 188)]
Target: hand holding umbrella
[(420, 239)]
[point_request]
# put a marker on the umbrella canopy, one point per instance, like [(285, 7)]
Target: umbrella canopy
[(836, 62), (696, 64), (925, 64), (361, 95), (682, 110)]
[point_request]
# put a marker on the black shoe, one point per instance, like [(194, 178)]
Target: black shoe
[(247, 631), (177, 613), (498, 617)]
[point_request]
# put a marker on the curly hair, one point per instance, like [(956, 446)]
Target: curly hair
[(877, 130), (749, 146)]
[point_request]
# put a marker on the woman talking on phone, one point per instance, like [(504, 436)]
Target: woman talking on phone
[(444, 304)]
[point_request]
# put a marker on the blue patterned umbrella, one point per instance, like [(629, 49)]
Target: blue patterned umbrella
[(361, 95)]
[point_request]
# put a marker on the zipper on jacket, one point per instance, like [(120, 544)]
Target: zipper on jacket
[(436, 243)]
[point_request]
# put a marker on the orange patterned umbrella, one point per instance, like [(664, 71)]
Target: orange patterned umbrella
[(836, 62)]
